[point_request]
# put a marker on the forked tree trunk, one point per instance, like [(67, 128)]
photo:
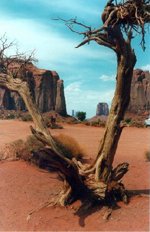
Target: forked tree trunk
[(125, 63), (54, 156), (79, 182), (98, 182)]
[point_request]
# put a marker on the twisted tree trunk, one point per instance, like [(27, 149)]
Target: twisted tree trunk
[(99, 181), (125, 63)]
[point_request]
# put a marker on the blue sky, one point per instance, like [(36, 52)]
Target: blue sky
[(88, 72)]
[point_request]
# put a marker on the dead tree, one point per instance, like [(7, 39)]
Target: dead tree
[(98, 181)]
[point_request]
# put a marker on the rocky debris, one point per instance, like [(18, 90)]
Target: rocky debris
[(102, 109), (46, 88), (140, 92)]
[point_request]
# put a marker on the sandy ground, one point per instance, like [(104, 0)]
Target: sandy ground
[(24, 188)]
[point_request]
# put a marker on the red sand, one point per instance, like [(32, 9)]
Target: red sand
[(24, 188)]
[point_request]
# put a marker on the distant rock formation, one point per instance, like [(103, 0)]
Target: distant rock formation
[(46, 88), (60, 98), (139, 95), (102, 109), (140, 92)]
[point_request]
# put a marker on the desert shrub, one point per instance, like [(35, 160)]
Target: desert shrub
[(32, 144), (10, 116), (147, 156), (12, 150), (81, 115), (128, 120), (75, 122), (87, 123), (69, 146), (26, 117), (47, 120), (56, 126), (136, 123), (20, 149), (48, 123), (98, 123), (94, 123)]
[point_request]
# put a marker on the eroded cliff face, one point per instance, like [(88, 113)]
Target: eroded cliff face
[(140, 92), (60, 105), (46, 90), (139, 95)]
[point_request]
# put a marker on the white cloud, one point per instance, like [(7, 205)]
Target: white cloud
[(73, 87), (80, 99), (107, 77), (146, 67), (49, 45), (54, 50)]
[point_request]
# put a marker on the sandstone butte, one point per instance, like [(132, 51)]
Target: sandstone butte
[(48, 92), (139, 95), (46, 87), (140, 92)]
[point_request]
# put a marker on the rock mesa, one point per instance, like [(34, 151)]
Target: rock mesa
[(102, 109), (46, 88), (140, 92)]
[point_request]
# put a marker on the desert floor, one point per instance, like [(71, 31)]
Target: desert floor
[(24, 187)]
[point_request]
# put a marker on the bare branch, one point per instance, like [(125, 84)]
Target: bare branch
[(131, 14), (71, 22)]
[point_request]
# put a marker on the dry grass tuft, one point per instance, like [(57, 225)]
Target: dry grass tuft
[(69, 146), (147, 156), (12, 151), (32, 144), (20, 149)]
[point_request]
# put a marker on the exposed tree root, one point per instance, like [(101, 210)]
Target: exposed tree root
[(98, 182), (82, 186), (107, 213)]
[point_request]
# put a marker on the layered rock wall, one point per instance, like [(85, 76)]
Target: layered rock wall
[(140, 92), (46, 88)]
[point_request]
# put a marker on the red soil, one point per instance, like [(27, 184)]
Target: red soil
[(24, 188)]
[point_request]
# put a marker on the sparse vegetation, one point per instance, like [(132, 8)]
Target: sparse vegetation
[(49, 124), (97, 123), (128, 120), (56, 126), (10, 116), (26, 117), (20, 149), (131, 122), (100, 181), (137, 123), (33, 144), (81, 115), (12, 151), (69, 146)]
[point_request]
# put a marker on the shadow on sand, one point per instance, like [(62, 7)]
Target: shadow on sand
[(83, 213)]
